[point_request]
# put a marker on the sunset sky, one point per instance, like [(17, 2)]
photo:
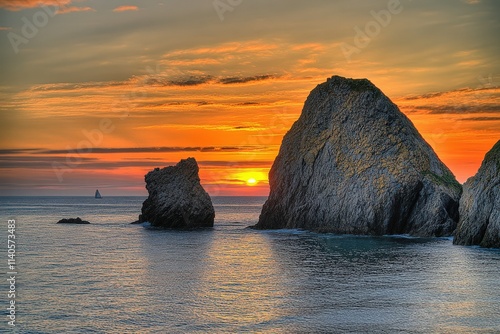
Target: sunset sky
[(94, 93)]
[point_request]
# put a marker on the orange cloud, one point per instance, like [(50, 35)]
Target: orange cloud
[(231, 48), (461, 125), (125, 8), (72, 9), (63, 6), (15, 5)]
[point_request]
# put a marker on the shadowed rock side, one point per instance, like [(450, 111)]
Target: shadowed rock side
[(480, 205), (176, 198), (353, 163)]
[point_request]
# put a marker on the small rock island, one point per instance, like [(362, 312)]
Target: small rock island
[(176, 198), (354, 164), (76, 220), (480, 205)]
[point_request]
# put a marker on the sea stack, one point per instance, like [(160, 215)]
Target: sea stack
[(354, 164), (480, 205), (176, 198)]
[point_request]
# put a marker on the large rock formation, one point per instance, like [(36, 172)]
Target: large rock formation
[(353, 163), (176, 198), (480, 205)]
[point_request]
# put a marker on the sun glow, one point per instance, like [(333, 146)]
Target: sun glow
[(251, 181), (251, 177)]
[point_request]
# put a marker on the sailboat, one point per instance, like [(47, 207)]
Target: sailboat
[(97, 194)]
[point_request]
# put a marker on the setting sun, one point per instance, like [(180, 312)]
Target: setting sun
[(251, 181), (251, 177)]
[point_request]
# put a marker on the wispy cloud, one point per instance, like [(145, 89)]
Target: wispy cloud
[(189, 80), (425, 96), (254, 127), (231, 47), (8, 151), (75, 86), (125, 8), (461, 109), (46, 162), (237, 80), (195, 80), (481, 119), (104, 150), (16, 5), (63, 6), (31, 152), (73, 9), (494, 89), (460, 101)]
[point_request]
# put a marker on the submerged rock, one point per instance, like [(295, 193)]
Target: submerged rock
[(176, 198), (480, 205), (76, 220), (353, 163)]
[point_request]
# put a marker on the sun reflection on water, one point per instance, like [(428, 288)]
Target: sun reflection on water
[(241, 282)]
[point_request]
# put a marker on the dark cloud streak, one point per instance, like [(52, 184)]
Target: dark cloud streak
[(46, 162), (454, 109), (238, 80), (18, 150), (439, 94), (481, 119), (193, 80), (109, 150)]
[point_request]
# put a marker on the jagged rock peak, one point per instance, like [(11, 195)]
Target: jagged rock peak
[(353, 163), (480, 205), (176, 198)]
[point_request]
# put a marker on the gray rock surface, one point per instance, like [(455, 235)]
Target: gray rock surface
[(480, 205), (176, 198), (76, 220), (354, 164)]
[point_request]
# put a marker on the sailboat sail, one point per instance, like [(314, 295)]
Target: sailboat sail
[(97, 194)]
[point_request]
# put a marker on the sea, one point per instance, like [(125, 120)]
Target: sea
[(114, 277)]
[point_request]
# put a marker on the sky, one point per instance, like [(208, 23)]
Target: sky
[(94, 93)]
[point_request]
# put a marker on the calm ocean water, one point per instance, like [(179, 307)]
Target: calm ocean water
[(113, 277)]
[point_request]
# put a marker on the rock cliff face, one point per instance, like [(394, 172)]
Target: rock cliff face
[(353, 163), (480, 205), (176, 198)]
